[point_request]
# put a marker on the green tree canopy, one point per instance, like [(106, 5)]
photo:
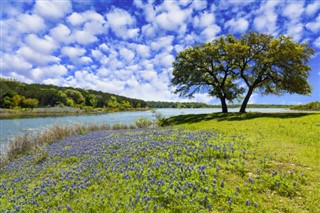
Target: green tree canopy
[(207, 68), (76, 96), (30, 103), (272, 65), (112, 102), (258, 61)]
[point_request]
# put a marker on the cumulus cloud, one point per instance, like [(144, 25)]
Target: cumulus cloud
[(42, 45), (209, 33), (121, 22), (312, 8), (266, 19), (14, 63), (54, 71), (203, 20), (317, 42), (294, 10), (142, 50), (237, 25), (127, 54), (314, 26), (76, 19), (73, 52), (172, 18), (50, 9), (36, 58), (61, 33), (162, 43), (24, 20)]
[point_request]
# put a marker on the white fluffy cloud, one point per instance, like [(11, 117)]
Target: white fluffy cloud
[(294, 10), (210, 33), (50, 9), (61, 33), (42, 45), (36, 58), (73, 52), (172, 18), (312, 8), (204, 20), (237, 25), (14, 63), (121, 23), (317, 42), (266, 19), (76, 19), (54, 71), (314, 26)]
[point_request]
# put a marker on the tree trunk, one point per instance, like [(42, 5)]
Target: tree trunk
[(224, 105), (246, 100)]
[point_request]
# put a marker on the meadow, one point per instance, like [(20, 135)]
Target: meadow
[(253, 162)]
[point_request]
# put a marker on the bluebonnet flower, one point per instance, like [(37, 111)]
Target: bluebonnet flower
[(222, 183), (251, 180)]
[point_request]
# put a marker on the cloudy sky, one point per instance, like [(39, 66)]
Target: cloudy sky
[(127, 47)]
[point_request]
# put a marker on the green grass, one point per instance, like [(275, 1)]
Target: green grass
[(290, 142)]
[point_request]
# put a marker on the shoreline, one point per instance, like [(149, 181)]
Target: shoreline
[(58, 112)]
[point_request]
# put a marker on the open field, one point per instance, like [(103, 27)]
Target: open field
[(250, 162)]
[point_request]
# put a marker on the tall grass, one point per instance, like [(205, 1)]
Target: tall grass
[(28, 143)]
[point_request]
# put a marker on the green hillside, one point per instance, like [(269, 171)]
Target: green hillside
[(17, 94)]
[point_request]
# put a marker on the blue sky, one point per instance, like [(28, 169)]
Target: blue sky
[(127, 47)]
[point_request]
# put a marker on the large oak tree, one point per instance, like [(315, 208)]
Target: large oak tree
[(258, 61), (208, 68), (272, 65)]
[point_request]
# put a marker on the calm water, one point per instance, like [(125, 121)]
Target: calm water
[(13, 127)]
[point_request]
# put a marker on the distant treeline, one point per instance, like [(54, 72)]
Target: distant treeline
[(16, 94), (314, 106), (162, 104)]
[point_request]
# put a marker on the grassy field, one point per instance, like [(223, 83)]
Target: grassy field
[(279, 142), (250, 162)]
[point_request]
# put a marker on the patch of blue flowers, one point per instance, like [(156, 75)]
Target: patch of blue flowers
[(142, 170)]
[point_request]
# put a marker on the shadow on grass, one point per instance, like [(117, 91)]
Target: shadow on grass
[(194, 118)]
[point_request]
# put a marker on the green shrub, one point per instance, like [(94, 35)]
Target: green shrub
[(143, 122)]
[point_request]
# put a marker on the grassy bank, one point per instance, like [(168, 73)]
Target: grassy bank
[(58, 111), (280, 143), (208, 163)]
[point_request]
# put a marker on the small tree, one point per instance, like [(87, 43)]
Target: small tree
[(91, 100), (112, 102), (76, 96), (18, 100), (125, 105), (30, 103)]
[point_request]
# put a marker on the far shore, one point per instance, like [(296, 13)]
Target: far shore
[(58, 111)]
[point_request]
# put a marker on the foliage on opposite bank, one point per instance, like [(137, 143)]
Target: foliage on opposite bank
[(313, 106), (18, 94)]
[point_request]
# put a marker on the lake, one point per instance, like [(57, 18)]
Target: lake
[(14, 127)]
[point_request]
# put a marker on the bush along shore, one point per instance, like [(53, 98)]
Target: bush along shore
[(227, 163)]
